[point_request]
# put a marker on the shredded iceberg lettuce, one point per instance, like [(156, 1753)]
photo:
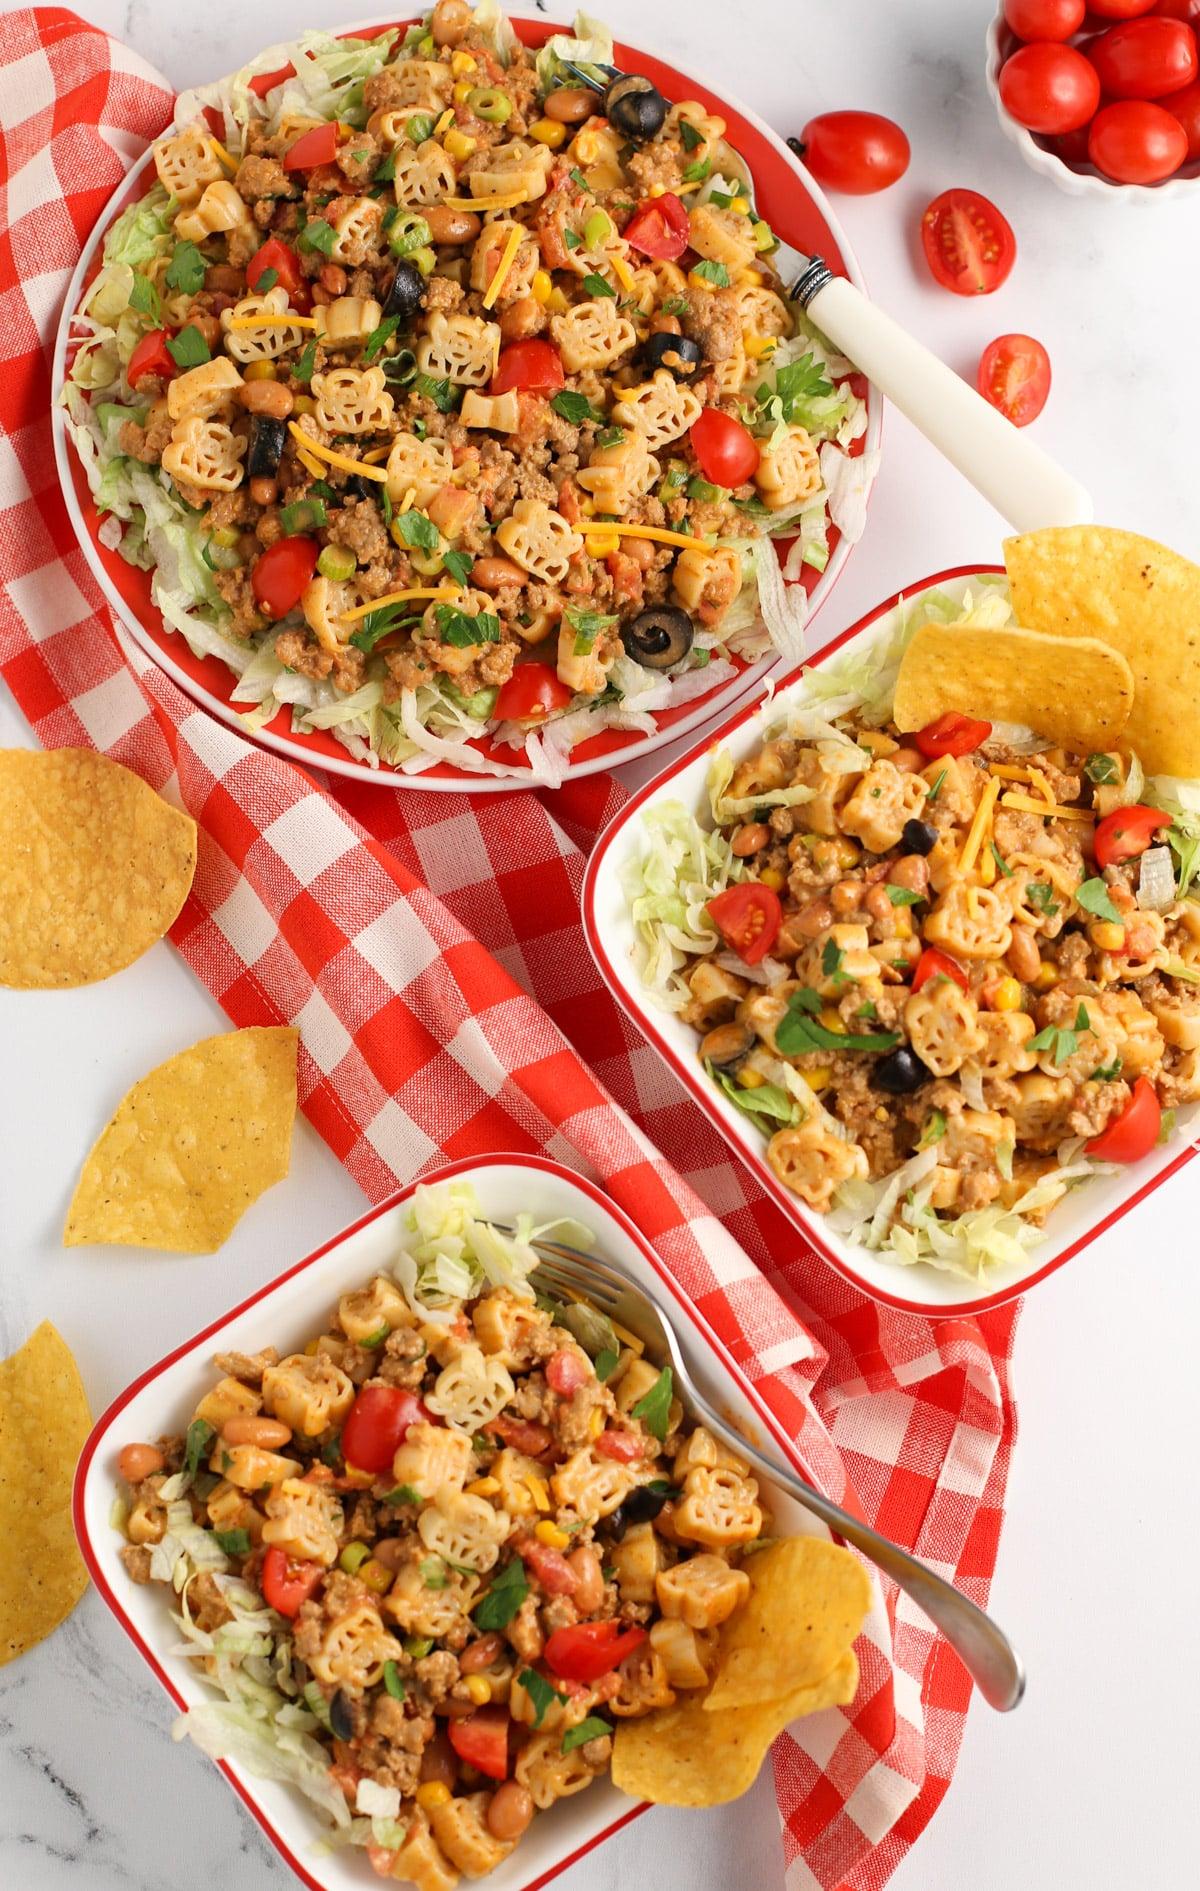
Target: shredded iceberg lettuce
[(668, 884), (452, 1251), (591, 46)]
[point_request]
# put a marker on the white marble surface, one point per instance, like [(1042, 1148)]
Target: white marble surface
[(1092, 1783)]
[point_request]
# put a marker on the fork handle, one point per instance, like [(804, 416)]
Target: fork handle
[(984, 1650)]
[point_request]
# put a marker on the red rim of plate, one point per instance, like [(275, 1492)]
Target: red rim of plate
[(810, 1226), (682, 1307), (792, 203)]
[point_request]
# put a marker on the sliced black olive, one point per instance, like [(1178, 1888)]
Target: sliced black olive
[(407, 292), (267, 441), (616, 1523), (643, 1504), (900, 1072), (679, 354), (635, 107), (341, 1720), (658, 638), (359, 488), (918, 837)]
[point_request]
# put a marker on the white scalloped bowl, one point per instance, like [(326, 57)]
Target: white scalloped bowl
[(1086, 181)]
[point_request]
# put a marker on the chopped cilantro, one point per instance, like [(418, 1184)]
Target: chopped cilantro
[(610, 436), (574, 407), (691, 136), (185, 271), (654, 1408), (303, 370), (831, 959), (458, 564), (377, 624), (1042, 896), (403, 1494), (596, 286), (904, 896), (189, 348), (331, 1451), (234, 1542), (578, 179), (200, 1435), (1095, 897), (385, 172), (797, 1032), (1001, 863), (606, 1363), (504, 1598), (540, 1693), (676, 305), (1059, 1041), (380, 336), (266, 281), (317, 235), (1107, 1073), (708, 271), (593, 1728), (572, 239), (415, 528), (143, 297), (936, 790), (443, 394), (456, 628), (587, 626), (697, 171), (392, 1681), (1101, 768)]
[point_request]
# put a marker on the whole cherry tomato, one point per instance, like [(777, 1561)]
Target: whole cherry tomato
[(277, 255), (533, 365), (1134, 142), (1144, 59), (935, 964), (318, 146), (951, 734), (377, 1425), (1120, 9), (531, 693), (1046, 19), (659, 228), (1072, 147), (279, 578), (1126, 833), (969, 246), (854, 152), (748, 917), (587, 1650), (1049, 88), (152, 356), (1185, 106), (727, 451), (1014, 375), (481, 1740), (1186, 10), (1135, 1132), (287, 1581)]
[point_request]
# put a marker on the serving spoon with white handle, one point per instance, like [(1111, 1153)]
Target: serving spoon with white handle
[(982, 1647), (1025, 485)]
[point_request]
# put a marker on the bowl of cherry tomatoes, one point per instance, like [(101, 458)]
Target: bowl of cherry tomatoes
[(1101, 96)]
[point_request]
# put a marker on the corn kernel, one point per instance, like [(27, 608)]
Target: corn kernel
[(741, 205), (432, 1793), (260, 371), (557, 303), (461, 92), (751, 1079), (484, 1487), (479, 1688), (1106, 935), (304, 404), (550, 1534), (832, 1020), (458, 145), (1007, 995), (601, 544), (772, 877), (461, 62), (700, 282), (353, 1557), (1047, 975), (902, 920), (817, 1080), (377, 1576), (587, 147), (658, 190), (596, 1423), (542, 286), (310, 1349), (587, 508), (881, 1115), (548, 131)]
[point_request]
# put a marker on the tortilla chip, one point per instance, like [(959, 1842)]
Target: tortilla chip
[(94, 867), (191, 1146), (681, 1756), (1077, 691), (1091, 581), (44, 1421), (808, 1598)]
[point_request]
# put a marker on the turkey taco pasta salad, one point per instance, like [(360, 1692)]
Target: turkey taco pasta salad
[(447, 398), (938, 935), (437, 1561)]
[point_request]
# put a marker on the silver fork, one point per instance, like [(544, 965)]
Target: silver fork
[(980, 1644)]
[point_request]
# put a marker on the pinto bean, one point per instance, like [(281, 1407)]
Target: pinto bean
[(812, 920), (510, 1810), (481, 1654), (911, 760), (271, 398), (332, 277), (224, 279), (139, 1461), (877, 903), (264, 491), (521, 319), (912, 872), (665, 325), (451, 226), (208, 326), (490, 574), (751, 838), (571, 104), (641, 551), (1023, 957), (270, 1434), (590, 1591), (846, 897), (392, 1552)]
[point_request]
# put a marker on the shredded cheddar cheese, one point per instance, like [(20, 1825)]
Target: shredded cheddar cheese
[(376, 455), (1004, 772), (622, 272), (1025, 804), (980, 827), (218, 150), (345, 460), (286, 320), (507, 202), (441, 594), (309, 462), (659, 533), (444, 122), (503, 266)]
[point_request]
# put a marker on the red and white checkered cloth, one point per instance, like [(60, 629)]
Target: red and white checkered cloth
[(428, 947)]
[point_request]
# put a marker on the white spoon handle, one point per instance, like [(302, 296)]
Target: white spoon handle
[(1023, 483)]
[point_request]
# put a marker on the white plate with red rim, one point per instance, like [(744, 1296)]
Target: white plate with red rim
[(1084, 1213), (795, 206), (287, 1313)]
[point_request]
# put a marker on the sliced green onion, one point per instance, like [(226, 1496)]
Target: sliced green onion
[(337, 562), (419, 127), (490, 103), (409, 232), (353, 1557), (303, 515), (597, 228)]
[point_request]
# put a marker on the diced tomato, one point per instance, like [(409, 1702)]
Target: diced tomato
[(624, 1447), (1135, 1131), (481, 1740), (659, 227), (748, 917), (951, 734), (727, 451), (590, 1649), (523, 1435), (381, 1860), (277, 255), (935, 964), (565, 1372), (280, 577), (1126, 833), (287, 1581), (550, 1567), (152, 356), (532, 365), (377, 1425), (531, 693), (318, 146)]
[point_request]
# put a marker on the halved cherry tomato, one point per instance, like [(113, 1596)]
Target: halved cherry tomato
[(277, 255), (1046, 19), (659, 228), (377, 1425), (550, 1567), (318, 146), (1144, 59), (590, 1649), (855, 152), (951, 734), (152, 356), (969, 246), (1049, 88), (481, 1740), (1135, 1131), (727, 452), (1135, 142), (531, 693), (534, 365), (1126, 833), (935, 964), (522, 1434), (623, 1447), (286, 1581), (565, 1372), (747, 917), (1014, 374), (1185, 106), (279, 578)]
